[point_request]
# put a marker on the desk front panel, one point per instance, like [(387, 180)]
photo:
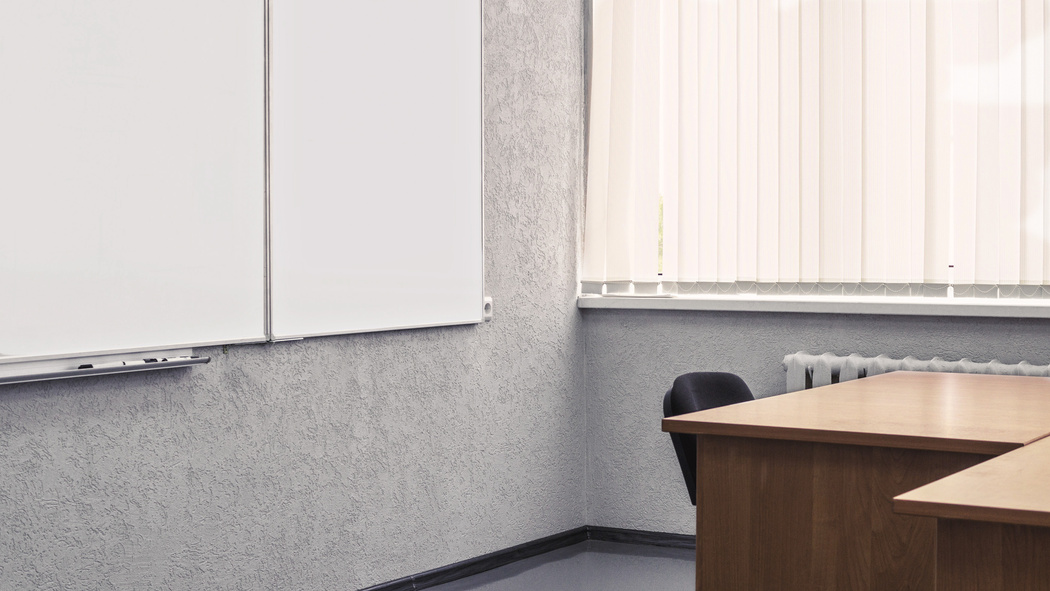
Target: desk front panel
[(783, 515), (981, 556)]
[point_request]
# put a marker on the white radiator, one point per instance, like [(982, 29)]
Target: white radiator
[(810, 371)]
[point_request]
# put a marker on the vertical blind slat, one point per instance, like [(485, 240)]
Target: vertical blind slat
[(939, 149), (853, 139), (1046, 148), (875, 265), (1010, 140), (768, 142), (669, 136), (728, 138), (986, 264), (964, 138), (747, 146), (622, 170), (1034, 124), (683, 265), (645, 147), (917, 191), (809, 141), (897, 91), (789, 141), (832, 189), (595, 220), (710, 153)]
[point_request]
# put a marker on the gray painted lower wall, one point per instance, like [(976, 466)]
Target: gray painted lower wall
[(633, 356), (340, 462)]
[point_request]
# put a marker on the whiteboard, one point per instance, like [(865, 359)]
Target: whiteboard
[(375, 165), (132, 175), (137, 140)]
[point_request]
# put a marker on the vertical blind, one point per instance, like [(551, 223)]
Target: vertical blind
[(796, 142)]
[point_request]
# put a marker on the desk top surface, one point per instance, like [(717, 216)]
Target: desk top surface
[(967, 413), (1012, 488)]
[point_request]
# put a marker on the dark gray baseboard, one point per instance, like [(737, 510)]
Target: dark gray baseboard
[(507, 556), (637, 536)]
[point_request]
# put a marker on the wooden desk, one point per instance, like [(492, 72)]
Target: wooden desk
[(993, 522), (795, 491)]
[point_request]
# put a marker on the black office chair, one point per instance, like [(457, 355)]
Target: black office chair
[(699, 391)]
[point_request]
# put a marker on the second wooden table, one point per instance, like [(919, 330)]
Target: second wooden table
[(993, 522)]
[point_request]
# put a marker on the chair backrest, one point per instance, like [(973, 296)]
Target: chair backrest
[(699, 391)]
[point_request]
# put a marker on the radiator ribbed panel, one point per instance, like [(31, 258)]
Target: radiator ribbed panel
[(810, 371)]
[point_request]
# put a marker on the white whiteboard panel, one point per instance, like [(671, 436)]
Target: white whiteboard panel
[(131, 174), (376, 208)]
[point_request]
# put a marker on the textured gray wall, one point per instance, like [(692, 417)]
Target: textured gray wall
[(340, 462), (633, 356)]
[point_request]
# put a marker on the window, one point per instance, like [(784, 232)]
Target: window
[(844, 147)]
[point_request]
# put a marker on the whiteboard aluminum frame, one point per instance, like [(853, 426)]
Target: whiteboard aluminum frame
[(46, 371), (124, 353), (267, 230)]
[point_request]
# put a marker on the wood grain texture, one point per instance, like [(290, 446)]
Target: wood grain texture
[(913, 410), (903, 548), (842, 474), (726, 563), (979, 556), (1012, 488), (809, 516)]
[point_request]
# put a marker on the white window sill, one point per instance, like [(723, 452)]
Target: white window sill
[(899, 306)]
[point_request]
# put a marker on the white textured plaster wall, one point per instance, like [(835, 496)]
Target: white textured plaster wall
[(340, 462), (633, 356)]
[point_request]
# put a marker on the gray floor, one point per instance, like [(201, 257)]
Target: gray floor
[(589, 566)]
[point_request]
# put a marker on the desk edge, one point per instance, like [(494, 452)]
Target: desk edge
[(966, 512), (992, 448)]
